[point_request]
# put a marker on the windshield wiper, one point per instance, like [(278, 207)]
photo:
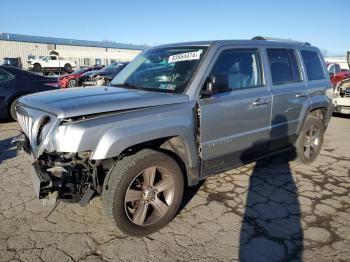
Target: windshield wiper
[(126, 85)]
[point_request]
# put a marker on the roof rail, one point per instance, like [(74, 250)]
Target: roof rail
[(279, 40)]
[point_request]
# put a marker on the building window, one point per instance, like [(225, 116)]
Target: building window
[(87, 61), (98, 61)]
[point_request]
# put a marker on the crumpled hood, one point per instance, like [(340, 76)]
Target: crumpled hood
[(91, 100)]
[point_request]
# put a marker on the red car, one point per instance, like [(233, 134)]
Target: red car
[(336, 73), (71, 80)]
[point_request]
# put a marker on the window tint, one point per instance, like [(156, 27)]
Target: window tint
[(331, 69), (283, 66), (242, 67), (313, 65), (53, 58), (4, 76)]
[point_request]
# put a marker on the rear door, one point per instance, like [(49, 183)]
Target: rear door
[(290, 94), (235, 125)]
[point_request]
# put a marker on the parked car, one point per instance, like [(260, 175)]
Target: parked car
[(336, 73), (51, 63), (15, 83), (12, 61), (103, 76), (175, 115), (71, 80), (341, 100)]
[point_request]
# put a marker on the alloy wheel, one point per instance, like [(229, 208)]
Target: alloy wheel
[(149, 196)]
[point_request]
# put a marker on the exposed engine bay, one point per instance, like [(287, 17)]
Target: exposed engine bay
[(73, 176), (341, 100)]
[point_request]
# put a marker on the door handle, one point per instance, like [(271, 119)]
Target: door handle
[(301, 94), (260, 102)]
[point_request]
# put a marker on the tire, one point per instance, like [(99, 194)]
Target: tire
[(71, 83), (131, 171), (67, 67), (13, 109), (37, 67), (310, 141)]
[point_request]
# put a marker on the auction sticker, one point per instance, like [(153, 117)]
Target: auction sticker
[(185, 56)]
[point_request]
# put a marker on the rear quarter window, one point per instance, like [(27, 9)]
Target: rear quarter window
[(313, 65)]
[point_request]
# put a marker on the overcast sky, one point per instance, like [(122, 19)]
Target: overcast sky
[(324, 23)]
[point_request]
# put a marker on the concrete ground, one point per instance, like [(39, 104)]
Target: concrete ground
[(266, 211)]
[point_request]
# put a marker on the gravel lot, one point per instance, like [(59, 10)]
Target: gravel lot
[(266, 211)]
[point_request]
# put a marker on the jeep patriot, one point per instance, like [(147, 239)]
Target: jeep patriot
[(175, 115)]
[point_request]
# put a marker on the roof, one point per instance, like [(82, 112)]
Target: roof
[(258, 42), (65, 41)]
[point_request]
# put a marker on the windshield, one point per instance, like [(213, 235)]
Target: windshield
[(111, 67), (161, 69), (80, 71)]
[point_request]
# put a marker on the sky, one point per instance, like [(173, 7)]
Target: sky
[(323, 23)]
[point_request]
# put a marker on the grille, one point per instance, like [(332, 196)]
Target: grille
[(347, 93), (25, 121)]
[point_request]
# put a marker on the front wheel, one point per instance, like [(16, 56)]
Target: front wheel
[(142, 192), (310, 140)]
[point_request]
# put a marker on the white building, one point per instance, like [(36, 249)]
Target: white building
[(83, 52)]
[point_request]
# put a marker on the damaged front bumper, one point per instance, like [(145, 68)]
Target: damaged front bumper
[(71, 177), (41, 181)]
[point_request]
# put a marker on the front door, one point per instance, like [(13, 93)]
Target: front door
[(235, 125)]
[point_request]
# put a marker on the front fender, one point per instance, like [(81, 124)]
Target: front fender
[(119, 138)]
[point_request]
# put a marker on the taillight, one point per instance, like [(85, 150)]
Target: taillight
[(53, 84)]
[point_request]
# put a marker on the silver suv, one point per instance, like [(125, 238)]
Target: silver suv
[(175, 115)]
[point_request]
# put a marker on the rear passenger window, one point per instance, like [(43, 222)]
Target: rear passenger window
[(313, 65), (242, 67), (283, 66), (4, 76)]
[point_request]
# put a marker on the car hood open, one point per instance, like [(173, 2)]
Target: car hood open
[(92, 100)]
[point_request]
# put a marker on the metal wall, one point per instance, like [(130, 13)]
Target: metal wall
[(82, 55)]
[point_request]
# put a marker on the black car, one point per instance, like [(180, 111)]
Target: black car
[(108, 72), (15, 83)]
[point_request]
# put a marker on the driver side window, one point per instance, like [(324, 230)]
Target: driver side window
[(241, 66)]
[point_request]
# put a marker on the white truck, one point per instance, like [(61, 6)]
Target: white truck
[(51, 63), (341, 100)]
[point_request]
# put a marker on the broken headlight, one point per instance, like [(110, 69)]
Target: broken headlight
[(43, 129)]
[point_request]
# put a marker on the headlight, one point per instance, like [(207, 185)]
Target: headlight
[(43, 129)]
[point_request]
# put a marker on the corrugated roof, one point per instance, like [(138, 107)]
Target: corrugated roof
[(65, 41)]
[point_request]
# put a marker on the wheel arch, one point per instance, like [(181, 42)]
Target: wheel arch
[(175, 147)]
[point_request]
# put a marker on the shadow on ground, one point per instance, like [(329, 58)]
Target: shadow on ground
[(7, 150), (271, 228)]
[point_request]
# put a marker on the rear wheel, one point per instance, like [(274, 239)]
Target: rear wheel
[(67, 67), (71, 83), (310, 140), (37, 67), (143, 192)]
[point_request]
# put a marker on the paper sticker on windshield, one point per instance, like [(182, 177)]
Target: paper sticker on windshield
[(171, 87), (185, 56)]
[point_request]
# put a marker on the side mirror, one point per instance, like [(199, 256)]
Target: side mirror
[(216, 84), (331, 75)]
